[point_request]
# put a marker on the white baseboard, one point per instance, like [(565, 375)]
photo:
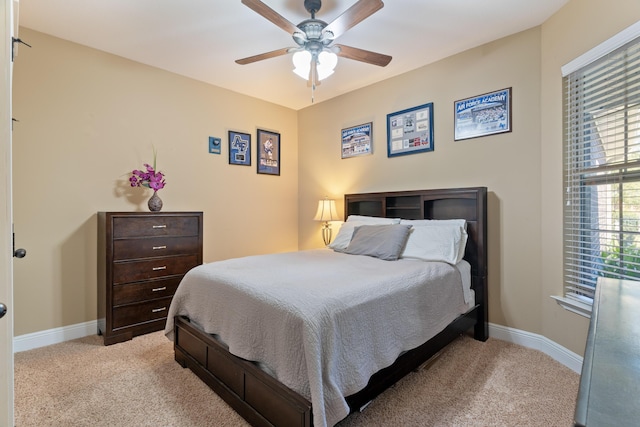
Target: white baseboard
[(54, 336), (515, 336), (537, 342)]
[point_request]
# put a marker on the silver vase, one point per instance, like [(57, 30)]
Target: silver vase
[(155, 203)]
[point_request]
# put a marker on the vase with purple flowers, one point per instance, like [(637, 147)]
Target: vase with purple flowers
[(151, 178)]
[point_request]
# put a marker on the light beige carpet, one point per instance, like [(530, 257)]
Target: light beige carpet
[(137, 383)]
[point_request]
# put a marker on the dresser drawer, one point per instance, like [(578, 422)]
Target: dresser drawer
[(135, 271), (143, 291), (155, 225), (128, 315), (154, 246)]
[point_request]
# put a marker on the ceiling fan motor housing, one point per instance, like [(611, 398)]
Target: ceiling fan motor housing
[(312, 6), (312, 28)]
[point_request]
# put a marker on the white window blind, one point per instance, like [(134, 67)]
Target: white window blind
[(602, 171)]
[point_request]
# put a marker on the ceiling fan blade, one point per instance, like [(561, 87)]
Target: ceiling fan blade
[(266, 55), (270, 14), (352, 16), (362, 55)]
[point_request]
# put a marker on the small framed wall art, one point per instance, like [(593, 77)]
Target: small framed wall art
[(483, 115), (410, 131), (357, 140), (268, 152), (215, 144), (239, 148)]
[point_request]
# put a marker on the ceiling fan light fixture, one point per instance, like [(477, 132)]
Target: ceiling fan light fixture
[(302, 72), (302, 63), (327, 62), (323, 73)]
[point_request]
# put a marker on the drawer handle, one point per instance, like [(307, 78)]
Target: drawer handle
[(164, 288), (158, 310), (160, 226), (155, 248), (164, 267)]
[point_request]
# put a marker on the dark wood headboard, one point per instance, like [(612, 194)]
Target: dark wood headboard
[(451, 203)]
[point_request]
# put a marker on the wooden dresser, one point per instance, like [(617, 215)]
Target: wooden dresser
[(142, 256)]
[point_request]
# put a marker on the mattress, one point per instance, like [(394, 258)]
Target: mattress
[(320, 321)]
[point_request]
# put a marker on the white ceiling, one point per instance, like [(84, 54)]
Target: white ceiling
[(201, 39)]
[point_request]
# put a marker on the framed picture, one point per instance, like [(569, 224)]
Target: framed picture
[(483, 115), (214, 145), (239, 148), (268, 152), (410, 131), (356, 141)]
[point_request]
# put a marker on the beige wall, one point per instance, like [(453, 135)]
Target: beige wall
[(87, 119)]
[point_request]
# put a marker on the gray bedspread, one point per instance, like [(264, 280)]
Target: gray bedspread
[(323, 322)]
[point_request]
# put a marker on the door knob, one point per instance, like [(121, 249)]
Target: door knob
[(3, 310), (18, 253)]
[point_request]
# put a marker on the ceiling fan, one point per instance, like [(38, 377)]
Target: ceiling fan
[(315, 56)]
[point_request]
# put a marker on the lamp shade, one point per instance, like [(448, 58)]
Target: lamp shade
[(327, 61), (326, 211), (302, 63)]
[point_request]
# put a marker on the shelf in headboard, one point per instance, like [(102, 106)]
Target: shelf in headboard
[(405, 206), (367, 207)]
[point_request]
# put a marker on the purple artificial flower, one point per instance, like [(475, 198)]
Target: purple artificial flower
[(150, 178)]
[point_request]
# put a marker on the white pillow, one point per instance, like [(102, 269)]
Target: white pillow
[(435, 222), (344, 235), (443, 243), (373, 220)]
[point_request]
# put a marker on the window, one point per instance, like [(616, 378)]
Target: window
[(602, 172)]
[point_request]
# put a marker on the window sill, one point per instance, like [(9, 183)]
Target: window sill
[(574, 306)]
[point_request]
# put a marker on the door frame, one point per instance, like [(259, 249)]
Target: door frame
[(6, 219)]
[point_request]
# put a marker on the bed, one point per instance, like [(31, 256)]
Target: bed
[(305, 349)]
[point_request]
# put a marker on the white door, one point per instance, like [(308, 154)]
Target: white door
[(6, 252)]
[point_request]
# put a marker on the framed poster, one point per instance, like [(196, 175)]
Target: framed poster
[(268, 152), (239, 148), (357, 140), (483, 115), (410, 131), (214, 145)]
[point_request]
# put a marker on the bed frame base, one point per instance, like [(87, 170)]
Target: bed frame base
[(251, 392), (265, 402)]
